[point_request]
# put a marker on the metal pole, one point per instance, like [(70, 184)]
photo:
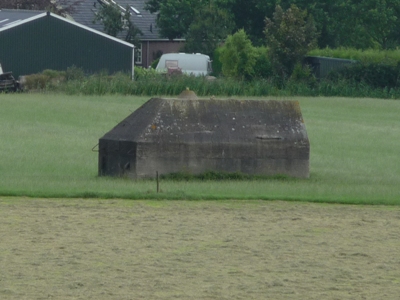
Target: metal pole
[(158, 183)]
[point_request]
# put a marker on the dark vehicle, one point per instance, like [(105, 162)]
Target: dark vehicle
[(8, 82)]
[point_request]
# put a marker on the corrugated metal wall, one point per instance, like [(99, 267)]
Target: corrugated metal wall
[(322, 66), (51, 43)]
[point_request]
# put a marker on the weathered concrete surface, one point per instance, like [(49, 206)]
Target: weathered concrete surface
[(174, 135)]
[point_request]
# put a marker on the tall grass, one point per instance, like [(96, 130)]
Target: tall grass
[(47, 142), (158, 85), (149, 83)]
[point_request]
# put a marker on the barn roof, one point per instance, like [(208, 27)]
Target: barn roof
[(14, 17)]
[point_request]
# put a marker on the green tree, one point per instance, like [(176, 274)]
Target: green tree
[(210, 26), (330, 19), (116, 20), (154, 6), (132, 32), (289, 35), (238, 56), (203, 23), (354, 23), (342, 23), (249, 14), (174, 16), (380, 20), (111, 17)]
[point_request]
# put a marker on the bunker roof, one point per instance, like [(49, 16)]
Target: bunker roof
[(211, 121)]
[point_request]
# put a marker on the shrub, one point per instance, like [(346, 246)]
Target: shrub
[(36, 82), (143, 73), (238, 56), (303, 74), (54, 74), (216, 63), (263, 66), (375, 75), (155, 63), (74, 73)]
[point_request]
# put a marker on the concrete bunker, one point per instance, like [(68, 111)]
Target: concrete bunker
[(196, 136)]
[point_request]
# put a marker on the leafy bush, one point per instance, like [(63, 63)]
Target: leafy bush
[(36, 82), (48, 79), (143, 73), (74, 73), (53, 74), (155, 63), (263, 66), (303, 74), (238, 56), (216, 62), (375, 75)]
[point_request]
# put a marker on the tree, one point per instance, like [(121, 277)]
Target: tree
[(347, 23), (116, 20), (203, 23), (210, 26), (249, 14), (289, 35), (380, 20), (111, 17), (238, 56), (330, 19), (174, 16), (154, 6), (132, 32), (354, 23)]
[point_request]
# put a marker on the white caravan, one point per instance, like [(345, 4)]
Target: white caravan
[(191, 64)]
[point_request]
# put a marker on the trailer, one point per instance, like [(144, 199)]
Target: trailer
[(191, 64)]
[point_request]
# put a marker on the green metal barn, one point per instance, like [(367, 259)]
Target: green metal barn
[(31, 42), (322, 66)]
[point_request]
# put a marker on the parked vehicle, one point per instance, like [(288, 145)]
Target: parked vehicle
[(184, 63), (7, 81)]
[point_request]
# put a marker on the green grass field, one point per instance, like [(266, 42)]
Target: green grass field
[(47, 140)]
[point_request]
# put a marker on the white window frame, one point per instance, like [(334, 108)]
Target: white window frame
[(138, 54)]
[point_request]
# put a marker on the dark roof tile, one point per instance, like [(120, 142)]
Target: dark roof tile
[(12, 16), (84, 13)]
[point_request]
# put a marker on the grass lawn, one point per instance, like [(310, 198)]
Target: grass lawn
[(47, 140)]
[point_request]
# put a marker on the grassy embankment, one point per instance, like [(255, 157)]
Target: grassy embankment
[(46, 143)]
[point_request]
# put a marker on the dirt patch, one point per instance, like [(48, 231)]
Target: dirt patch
[(115, 249)]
